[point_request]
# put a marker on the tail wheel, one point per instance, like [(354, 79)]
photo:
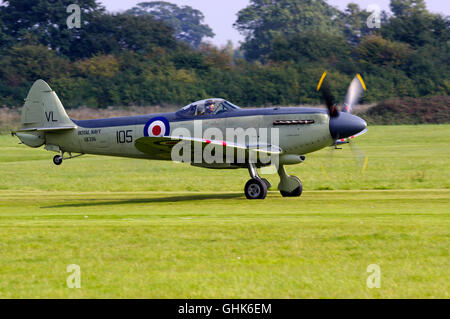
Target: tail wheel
[(57, 159), (255, 189)]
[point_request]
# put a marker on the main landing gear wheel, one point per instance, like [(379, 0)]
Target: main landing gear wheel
[(289, 186), (296, 192), (255, 189), (57, 159)]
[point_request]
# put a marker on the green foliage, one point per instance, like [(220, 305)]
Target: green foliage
[(263, 21), (186, 21), (46, 21), (434, 110), (355, 26), (408, 56), (418, 29), (136, 59), (116, 33), (5, 37), (376, 51), (27, 62), (407, 7), (311, 47)]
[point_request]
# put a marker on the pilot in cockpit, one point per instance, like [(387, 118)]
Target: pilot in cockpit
[(210, 106)]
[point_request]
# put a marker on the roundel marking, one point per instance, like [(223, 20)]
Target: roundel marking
[(157, 127), (156, 130)]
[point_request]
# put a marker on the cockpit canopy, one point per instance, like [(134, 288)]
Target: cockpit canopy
[(208, 107)]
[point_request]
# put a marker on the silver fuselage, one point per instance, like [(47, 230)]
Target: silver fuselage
[(117, 136)]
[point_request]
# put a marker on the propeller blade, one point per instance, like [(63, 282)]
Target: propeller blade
[(327, 96), (358, 155), (328, 164), (360, 158), (354, 93)]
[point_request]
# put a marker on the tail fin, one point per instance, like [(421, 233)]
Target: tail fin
[(43, 110)]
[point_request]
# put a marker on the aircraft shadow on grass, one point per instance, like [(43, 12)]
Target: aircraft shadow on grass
[(169, 199)]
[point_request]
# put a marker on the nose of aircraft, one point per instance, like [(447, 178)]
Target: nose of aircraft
[(346, 125)]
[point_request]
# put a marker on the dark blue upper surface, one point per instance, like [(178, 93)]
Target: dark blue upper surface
[(172, 117)]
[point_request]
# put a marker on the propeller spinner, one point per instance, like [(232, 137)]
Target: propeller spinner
[(344, 126), (342, 123)]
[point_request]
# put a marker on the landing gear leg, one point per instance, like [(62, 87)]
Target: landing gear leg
[(58, 159), (254, 174), (255, 188), (289, 186)]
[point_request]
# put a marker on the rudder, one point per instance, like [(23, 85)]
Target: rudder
[(43, 110)]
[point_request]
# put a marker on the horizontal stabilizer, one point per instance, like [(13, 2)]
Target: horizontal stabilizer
[(48, 129)]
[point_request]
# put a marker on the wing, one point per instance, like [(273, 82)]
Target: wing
[(161, 147)]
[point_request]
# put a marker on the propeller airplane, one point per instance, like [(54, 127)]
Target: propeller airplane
[(292, 132)]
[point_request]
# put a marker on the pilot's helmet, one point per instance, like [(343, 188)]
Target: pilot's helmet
[(210, 105)]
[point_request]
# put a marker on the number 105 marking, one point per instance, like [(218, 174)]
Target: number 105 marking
[(124, 136)]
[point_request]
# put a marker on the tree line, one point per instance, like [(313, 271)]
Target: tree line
[(157, 53)]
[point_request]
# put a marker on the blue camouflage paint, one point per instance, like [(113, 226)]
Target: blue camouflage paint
[(173, 117)]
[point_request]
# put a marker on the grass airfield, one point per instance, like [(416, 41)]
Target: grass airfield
[(141, 229)]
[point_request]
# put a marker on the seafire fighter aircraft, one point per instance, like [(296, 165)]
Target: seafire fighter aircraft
[(280, 136)]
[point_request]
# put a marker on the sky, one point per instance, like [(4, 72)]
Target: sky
[(220, 15)]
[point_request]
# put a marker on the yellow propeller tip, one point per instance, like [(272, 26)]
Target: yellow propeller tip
[(321, 80), (366, 160), (361, 80)]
